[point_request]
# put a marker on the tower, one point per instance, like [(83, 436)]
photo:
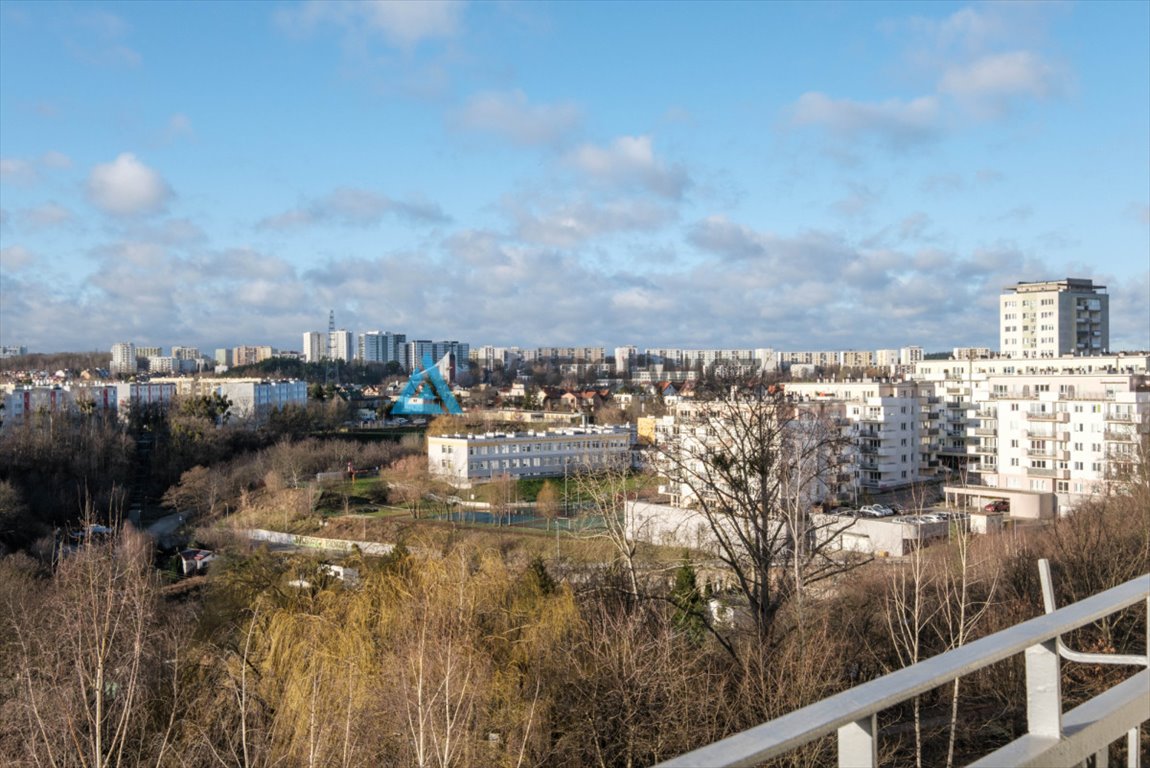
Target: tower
[(1054, 318)]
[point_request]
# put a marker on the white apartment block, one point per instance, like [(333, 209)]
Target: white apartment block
[(466, 459), (314, 347), (1071, 435), (489, 357), (723, 361), (123, 358), (890, 440), (693, 429), (625, 359), (251, 399), (341, 345), (1054, 318)]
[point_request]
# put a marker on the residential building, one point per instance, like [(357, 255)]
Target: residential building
[(1054, 318), (383, 347), (250, 355), (224, 358), (123, 359), (252, 399), (465, 459), (882, 420), (625, 359), (341, 345), (12, 351), (314, 347)]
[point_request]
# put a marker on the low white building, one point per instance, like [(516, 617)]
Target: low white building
[(464, 459)]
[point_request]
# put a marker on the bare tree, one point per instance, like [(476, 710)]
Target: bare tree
[(604, 493), (88, 657), (753, 463)]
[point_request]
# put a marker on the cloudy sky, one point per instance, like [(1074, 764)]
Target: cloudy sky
[(799, 176)]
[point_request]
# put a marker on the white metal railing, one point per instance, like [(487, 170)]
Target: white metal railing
[(1053, 738)]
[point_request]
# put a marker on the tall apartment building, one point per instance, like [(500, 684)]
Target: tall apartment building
[(341, 345), (383, 347), (314, 347), (123, 358), (420, 349), (625, 359), (1054, 318)]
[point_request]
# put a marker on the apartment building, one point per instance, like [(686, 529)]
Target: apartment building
[(466, 459), (815, 455), (314, 347), (383, 347), (1075, 436), (891, 445), (251, 398), (250, 355), (341, 345), (1054, 318), (123, 358)]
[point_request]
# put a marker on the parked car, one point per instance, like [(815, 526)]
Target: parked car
[(998, 505)]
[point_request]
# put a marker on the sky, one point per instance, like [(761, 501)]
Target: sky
[(801, 176)]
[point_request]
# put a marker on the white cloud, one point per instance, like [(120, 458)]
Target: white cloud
[(991, 84), (14, 169), (402, 23), (350, 206), (571, 224), (54, 159), (512, 117), (47, 216), (892, 122), (630, 161), (16, 257), (127, 187)]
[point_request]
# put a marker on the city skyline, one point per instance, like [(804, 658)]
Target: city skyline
[(793, 176)]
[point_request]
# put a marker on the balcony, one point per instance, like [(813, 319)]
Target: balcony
[(1047, 453), (983, 468), (1056, 416), (1054, 737), (1115, 436), (986, 431), (1058, 474), (1123, 418)]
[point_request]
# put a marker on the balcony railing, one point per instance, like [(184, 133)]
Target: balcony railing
[(1061, 416), (1053, 737), (1118, 437), (1122, 417)]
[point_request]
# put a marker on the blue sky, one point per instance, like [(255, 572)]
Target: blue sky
[(799, 176)]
